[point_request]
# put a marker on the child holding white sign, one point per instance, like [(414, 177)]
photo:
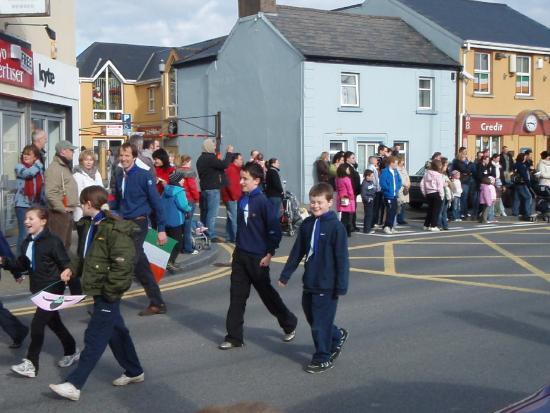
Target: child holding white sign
[(45, 259)]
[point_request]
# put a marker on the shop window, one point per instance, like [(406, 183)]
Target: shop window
[(425, 93), (151, 100), (482, 73), (492, 143), (107, 97), (172, 94), (523, 76), (349, 90)]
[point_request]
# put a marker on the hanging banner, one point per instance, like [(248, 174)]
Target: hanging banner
[(53, 302)]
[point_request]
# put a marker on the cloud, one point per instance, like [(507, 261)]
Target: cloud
[(181, 22)]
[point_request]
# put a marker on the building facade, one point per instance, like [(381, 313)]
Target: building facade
[(504, 91), (291, 93), (38, 90)]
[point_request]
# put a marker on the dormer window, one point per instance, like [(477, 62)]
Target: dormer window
[(107, 97)]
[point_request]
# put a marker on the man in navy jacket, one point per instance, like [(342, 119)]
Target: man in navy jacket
[(135, 197)]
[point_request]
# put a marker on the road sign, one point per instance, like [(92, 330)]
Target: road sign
[(127, 123)]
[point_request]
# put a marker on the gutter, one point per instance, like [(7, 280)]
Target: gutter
[(506, 47)]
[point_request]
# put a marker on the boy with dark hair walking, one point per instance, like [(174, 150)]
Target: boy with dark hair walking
[(258, 237), (323, 241)]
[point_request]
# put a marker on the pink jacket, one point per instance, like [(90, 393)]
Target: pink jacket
[(487, 194), (344, 188), (432, 182)]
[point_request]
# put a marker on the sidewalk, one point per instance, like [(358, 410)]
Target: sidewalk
[(12, 294)]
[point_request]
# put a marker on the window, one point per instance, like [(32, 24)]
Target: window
[(488, 142), (349, 89), (172, 94), (482, 73), (337, 146), (425, 93), (107, 97), (523, 76), (151, 102)]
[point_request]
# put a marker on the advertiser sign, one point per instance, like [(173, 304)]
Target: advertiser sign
[(16, 65)]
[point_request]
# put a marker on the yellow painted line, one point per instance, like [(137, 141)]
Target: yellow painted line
[(478, 276), (520, 261), (389, 260), (477, 243), (458, 282)]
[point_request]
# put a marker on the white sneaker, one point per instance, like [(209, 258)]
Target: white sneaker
[(67, 361), (124, 380), (458, 220), (195, 252), (387, 230), (66, 390), (434, 229), (426, 228), (290, 336), (26, 369), (394, 231), (372, 231)]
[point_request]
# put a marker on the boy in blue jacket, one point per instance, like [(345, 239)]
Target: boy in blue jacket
[(390, 182), (175, 207), (258, 236), (323, 241)]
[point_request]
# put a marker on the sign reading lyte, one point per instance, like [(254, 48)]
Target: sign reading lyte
[(16, 72)]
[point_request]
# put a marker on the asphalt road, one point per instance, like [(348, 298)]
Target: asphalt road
[(449, 322)]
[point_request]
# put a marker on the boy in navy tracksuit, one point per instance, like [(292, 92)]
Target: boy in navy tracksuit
[(323, 241), (368, 196), (258, 236)]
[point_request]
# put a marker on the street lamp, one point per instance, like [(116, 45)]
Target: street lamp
[(51, 33), (162, 68)]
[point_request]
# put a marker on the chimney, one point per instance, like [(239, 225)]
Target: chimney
[(253, 7)]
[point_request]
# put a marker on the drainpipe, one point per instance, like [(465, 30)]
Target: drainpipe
[(463, 97)]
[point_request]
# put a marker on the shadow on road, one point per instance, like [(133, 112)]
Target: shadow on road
[(414, 397), (504, 325)]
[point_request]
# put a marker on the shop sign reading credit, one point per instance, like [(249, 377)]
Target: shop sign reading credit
[(16, 71), (492, 127)]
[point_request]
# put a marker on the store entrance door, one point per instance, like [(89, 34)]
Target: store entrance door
[(11, 127)]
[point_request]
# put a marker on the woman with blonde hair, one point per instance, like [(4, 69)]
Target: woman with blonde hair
[(85, 175)]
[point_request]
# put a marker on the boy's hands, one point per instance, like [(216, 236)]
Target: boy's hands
[(281, 284), (265, 261), (66, 274)]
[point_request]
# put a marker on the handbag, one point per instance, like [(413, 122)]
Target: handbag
[(344, 201)]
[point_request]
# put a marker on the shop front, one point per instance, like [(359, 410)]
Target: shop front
[(528, 130)]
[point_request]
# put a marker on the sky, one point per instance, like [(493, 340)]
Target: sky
[(175, 23)]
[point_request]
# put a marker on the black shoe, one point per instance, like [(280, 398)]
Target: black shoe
[(18, 341), (334, 355), (217, 240), (403, 223), (316, 367), (173, 267)]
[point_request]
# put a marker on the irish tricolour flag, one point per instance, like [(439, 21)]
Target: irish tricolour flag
[(157, 254)]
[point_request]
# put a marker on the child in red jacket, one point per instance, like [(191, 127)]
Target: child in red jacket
[(193, 196), (231, 195)]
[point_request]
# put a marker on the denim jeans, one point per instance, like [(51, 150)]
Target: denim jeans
[(187, 229), (11, 324), (491, 212), (20, 214), (401, 214), (210, 204), (390, 205), (521, 194), (443, 217), (231, 224), (106, 327), (464, 199), (276, 201), (456, 207)]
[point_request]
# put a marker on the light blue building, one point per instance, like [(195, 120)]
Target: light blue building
[(294, 82)]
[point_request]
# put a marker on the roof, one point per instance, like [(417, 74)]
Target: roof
[(353, 6), (199, 52), (129, 59), (487, 22), (330, 35)]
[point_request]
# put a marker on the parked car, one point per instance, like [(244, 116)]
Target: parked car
[(415, 194)]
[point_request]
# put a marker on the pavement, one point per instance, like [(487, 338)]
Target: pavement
[(453, 321)]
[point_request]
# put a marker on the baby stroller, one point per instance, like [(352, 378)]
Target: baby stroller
[(542, 202), (198, 234), (291, 218)]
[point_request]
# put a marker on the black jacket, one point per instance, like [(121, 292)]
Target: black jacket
[(50, 259), (355, 181), (465, 171), (483, 171), (273, 185), (211, 171), (507, 162)]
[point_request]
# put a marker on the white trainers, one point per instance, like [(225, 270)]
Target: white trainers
[(394, 231), (26, 369), (387, 230), (67, 361), (125, 380), (289, 337), (434, 229), (66, 390), (426, 228)]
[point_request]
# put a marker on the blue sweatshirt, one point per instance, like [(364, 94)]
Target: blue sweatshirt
[(260, 233), (140, 196), (174, 203), (390, 183), (327, 271)]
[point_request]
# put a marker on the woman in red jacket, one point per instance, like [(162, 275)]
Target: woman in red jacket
[(193, 196), (162, 168)]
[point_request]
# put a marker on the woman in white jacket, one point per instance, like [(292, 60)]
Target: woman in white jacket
[(85, 175), (544, 168)]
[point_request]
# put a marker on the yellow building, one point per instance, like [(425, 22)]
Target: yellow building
[(126, 89), (505, 99)]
